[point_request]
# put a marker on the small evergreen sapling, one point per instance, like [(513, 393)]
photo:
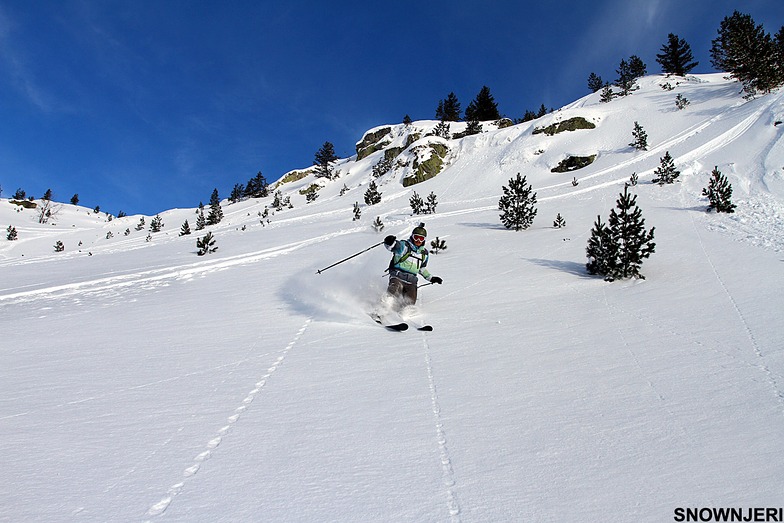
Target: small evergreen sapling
[(11, 233), (185, 229), (156, 224), (681, 102), (417, 204), (357, 212), (666, 173), (206, 244), (559, 222), (59, 247), (431, 203), (518, 204), (378, 225), (719, 193), (437, 245), (372, 196), (640, 141)]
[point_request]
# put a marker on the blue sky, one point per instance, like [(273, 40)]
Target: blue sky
[(142, 106)]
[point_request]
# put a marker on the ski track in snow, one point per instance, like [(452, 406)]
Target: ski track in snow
[(758, 352), (161, 506), (448, 474), (159, 276)]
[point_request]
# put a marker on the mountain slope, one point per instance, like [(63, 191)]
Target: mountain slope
[(143, 382)]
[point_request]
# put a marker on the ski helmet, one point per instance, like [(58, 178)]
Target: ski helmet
[(418, 235)]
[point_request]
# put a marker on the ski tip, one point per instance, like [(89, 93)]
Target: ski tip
[(425, 328), (400, 327)]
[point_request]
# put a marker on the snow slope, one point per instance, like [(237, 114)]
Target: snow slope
[(141, 382)]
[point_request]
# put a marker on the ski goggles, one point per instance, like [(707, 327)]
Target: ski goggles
[(418, 238)]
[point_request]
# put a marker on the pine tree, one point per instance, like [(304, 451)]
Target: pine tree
[(216, 213), (417, 204), (407, 120), (628, 72), (206, 244), (372, 196), (237, 193), (11, 233), (595, 82), (666, 172), (185, 229), (628, 231), (431, 203), (257, 187), (559, 222), (201, 222), (473, 127), (378, 225), (437, 245), (748, 53), (640, 141), (47, 195), (518, 204), (448, 110), (681, 101), (75, 199), (617, 250), (59, 247), (719, 193), (357, 212), (442, 130), (607, 94), (325, 157), (675, 57), (483, 108), (601, 250), (156, 224)]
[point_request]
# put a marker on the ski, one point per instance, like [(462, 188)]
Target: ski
[(425, 328), (397, 327)]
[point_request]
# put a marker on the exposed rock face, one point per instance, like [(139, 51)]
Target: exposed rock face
[(372, 142), (572, 124), (428, 162), (572, 163)]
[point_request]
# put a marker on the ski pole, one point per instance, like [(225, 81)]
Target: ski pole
[(352, 256), (425, 285)]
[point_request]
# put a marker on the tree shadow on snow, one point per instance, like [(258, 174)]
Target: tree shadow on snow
[(571, 267)]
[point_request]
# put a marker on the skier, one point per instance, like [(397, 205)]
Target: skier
[(409, 259)]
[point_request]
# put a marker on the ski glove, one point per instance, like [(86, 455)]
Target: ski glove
[(389, 240), (436, 279)]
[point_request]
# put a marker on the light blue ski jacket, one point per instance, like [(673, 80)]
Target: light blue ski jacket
[(409, 259)]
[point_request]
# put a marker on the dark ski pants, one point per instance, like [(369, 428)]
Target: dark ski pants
[(405, 293)]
